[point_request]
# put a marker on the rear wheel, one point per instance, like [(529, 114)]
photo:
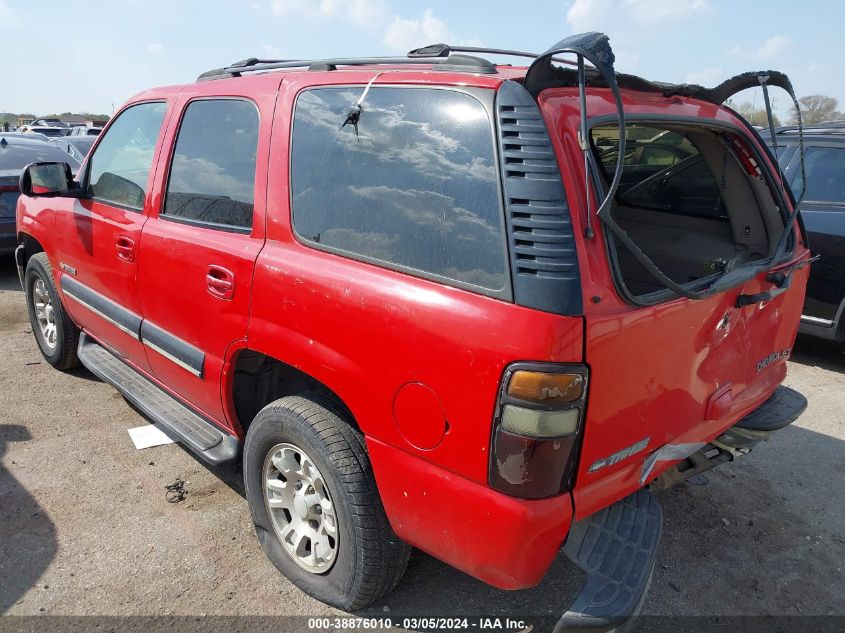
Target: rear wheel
[(57, 336), (315, 505)]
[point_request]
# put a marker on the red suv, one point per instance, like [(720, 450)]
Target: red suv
[(433, 302)]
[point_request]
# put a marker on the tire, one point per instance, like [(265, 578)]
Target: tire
[(369, 559), (61, 354)]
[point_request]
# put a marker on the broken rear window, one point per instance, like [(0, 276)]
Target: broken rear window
[(663, 171)]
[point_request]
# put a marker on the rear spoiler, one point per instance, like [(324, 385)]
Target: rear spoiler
[(595, 48)]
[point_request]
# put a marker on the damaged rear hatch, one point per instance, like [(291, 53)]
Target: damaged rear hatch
[(683, 201)]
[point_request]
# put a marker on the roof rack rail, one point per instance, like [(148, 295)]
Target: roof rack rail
[(444, 50), (834, 127), (442, 55), (465, 63)]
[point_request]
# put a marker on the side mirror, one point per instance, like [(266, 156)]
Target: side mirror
[(46, 179)]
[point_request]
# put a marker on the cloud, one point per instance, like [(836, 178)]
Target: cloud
[(388, 136), (268, 51), (402, 34), (771, 49), (155, 47), (587, 15), (624, 21), (8, 17), (710, 76), (360, 12)]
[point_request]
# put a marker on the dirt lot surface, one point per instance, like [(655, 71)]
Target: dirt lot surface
[(85, 527)]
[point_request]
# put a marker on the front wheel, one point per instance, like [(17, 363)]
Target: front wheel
[(315, 505), (57, 336)]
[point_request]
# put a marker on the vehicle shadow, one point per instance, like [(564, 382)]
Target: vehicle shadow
[(9, 274), (816, 352), (28, 541)]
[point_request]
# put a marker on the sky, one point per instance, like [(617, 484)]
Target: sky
[(92, 55)]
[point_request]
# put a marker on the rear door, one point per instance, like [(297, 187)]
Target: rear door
[(823, 212), (198, 250), (100, 233)]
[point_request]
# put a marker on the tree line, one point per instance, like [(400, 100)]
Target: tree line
[(814, 109)]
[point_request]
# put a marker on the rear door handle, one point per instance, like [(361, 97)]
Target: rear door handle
[(125, 247), (220, 282)]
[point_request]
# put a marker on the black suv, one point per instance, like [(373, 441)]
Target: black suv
[(823, 212)]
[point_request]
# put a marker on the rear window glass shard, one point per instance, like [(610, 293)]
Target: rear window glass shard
[(415, 186)]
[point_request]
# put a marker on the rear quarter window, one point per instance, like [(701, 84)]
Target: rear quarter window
[(413, 187)]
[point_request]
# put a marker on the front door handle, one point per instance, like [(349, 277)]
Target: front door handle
[(220, 282), (125, 247)]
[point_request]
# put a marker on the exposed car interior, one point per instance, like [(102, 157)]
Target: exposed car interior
[(691, 197)]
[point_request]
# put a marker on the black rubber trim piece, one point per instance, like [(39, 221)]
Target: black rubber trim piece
[(20, 263), (544, 262), (177, 350), (617, 547), (125, 319), (781, 409), (178, 421)]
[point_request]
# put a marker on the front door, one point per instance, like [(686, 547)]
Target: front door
[(198, 251), (99, 235)]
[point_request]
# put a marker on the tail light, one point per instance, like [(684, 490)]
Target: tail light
[(539, 417)]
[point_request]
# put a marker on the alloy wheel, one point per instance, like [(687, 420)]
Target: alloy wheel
[(300, 508), (44, 313)]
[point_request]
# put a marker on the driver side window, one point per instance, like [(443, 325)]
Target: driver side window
[(120, 165)]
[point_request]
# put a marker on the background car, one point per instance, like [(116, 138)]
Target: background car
[(46, 130), (85, 130), (76, 146), (29, 135), (16, 152), (823, 213)]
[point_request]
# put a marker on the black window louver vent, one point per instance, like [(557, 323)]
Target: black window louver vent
[(542, 245)]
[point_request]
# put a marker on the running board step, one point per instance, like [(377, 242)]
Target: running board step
[(617, 547), (782, 408), (171, 416)]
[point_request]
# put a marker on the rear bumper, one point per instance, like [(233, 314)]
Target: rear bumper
[(506, 542), (510, 543)]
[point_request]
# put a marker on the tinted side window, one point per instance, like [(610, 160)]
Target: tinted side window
[(825, 167), (212, 174), (121, 163), (414, 185)]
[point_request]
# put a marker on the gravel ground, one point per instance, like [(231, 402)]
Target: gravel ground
[(85, 528)]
